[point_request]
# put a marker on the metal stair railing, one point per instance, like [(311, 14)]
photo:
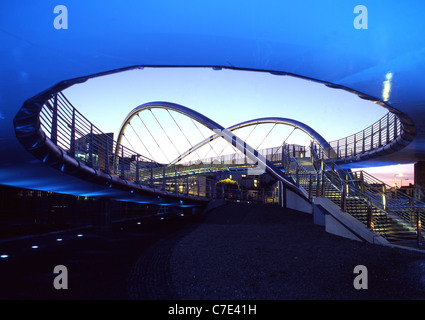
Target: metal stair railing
[(395, 216), (404, 208)]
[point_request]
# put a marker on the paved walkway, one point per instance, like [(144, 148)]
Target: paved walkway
[(239, 251), (244, 251)]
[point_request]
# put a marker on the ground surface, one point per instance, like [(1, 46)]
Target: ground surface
[(239, 251)]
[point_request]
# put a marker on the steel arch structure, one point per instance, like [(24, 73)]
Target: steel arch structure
[(380, 63), (242, 146), (276, 120)]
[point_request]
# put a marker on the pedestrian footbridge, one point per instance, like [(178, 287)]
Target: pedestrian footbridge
[(47, 144), (58, 135)]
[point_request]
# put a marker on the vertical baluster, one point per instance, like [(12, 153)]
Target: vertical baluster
[(346, 147), (122, 162), (384, 197), (388, 128), (309, 187), (72, 139), (91, 146), (163, 178), (418, 227), (337, 149), (395, 127), (355, 142), (107, 154), (54, 129), (175, 180), (137, 169), (369, 215), (343, 198)]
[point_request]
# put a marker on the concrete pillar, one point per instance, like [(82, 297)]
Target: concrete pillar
[(419, 191)]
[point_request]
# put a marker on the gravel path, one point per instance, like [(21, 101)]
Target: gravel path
[(247, 251)]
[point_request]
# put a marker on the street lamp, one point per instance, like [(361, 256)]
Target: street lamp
[(395, 180)]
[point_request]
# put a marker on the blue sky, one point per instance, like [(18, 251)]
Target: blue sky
[(230, 97)]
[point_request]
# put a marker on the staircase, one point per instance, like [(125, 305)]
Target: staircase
[(391, 215)]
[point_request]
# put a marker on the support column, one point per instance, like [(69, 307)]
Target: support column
[(281, 194)]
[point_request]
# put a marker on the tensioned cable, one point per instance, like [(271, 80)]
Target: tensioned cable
[(209, 143), (154, 139), (284, 141), (139, 140), (128, 141), (181, 131), (246, 139), (266, 136), (178, 152), (185, 138)]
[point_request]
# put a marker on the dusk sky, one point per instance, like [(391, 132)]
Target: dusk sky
[(229, 97)]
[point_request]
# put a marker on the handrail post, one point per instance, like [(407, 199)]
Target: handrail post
[(175, 180), (322, 187), (343, 200), (91, 146), (296, 175), (54, 129), (388, 128), (309, 186), (346, 147), (362, 182), (107, 154), (137, 168), (395, 127), (369, 215), (122, 162), (317, 184), (418, 228), (384, 197), (72, 139), (163, 178), (337, 149)]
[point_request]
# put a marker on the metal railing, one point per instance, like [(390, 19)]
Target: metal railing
[(68, 129), (379, 134), (80, 139), (385, 210)]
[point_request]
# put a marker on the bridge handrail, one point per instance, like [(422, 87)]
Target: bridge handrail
[(383, 132), (397, 206)]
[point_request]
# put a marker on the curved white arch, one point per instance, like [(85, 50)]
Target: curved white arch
[(277, 120), (251, 153)]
